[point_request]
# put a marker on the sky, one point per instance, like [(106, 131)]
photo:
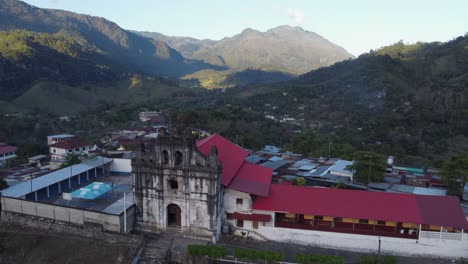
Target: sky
[(358, 25)]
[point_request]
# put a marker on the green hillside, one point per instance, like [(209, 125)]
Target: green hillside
[(59, 98), (212, 79), (401, 98), (27, 56)]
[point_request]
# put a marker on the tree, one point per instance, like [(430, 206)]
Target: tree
[(455, 174), (70, 159), (368, 166), (3, 184), (300, 181)]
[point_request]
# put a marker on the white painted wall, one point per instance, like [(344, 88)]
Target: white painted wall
[(368, 244), (230, 201), (59, 153), (121, 165)]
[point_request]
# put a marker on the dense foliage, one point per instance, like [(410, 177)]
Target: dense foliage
[(319, 259), (253, 254), (215, 252), (368, 166), (455, 173), (3, 185), (373, 259), (404, 101)]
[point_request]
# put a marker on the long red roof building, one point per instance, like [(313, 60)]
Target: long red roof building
[(408, 208)]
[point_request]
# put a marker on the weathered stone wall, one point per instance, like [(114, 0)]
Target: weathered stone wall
[(171, 170)]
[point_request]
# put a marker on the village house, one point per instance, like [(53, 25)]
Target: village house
[(70, 146), (7, 152)]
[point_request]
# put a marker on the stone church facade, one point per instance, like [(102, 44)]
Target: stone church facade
[(176, 186)]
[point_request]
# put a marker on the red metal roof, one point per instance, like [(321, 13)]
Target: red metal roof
[(251, 217), (442, 210), (231, 155), (409, 208), (71, 143), (252, 178), (4, 148)]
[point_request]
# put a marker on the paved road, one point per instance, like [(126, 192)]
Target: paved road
[(290, 250)]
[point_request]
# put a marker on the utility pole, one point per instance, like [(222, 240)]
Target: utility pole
[(329, 148), (370, 168), (378, 254), (125, 214)]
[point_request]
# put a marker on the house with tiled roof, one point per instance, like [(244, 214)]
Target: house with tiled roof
[(7, 152), (67, 146)]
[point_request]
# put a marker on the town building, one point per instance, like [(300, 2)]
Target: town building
[(153, 117), (67, 146), (7, 152), (58, 138), (88, 195)]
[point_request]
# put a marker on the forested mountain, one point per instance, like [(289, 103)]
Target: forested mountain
[(65, 46), (407, 99), (284, 48), (277, 54)]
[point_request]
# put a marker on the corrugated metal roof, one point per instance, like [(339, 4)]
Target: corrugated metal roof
[(429, 191), (275, 158), (406, 208), (300, 163), (309, 166), (24, 188), (274, 164), (402, 188), (118, 207), (254, 158), (379, 185), (340, 167), (317, 172)]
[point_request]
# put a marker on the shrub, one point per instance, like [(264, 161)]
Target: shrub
[(320, 259), (373, 259), (215, 252), (301, 181), (252, 254)]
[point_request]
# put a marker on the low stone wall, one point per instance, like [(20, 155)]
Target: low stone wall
[(369, 244), (73, 216)]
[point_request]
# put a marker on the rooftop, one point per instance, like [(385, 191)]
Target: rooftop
[(4, 148), (71, 144), (407, 208), (252, 178), (24, 188), (61, 136), (231, 155)]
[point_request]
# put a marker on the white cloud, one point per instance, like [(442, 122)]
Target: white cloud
[(296, 15)]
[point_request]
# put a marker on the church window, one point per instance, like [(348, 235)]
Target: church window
[(165, 157), (178, 158), (173, 184)]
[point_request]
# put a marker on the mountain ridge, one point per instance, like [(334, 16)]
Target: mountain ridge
[(253, 49)]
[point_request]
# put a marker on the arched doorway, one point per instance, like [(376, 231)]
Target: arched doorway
[(173, 216)]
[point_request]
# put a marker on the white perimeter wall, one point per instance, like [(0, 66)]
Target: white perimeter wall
[(75, 216), (362, 243), (121, 165)]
